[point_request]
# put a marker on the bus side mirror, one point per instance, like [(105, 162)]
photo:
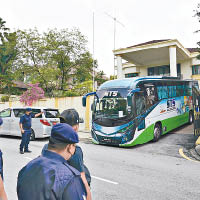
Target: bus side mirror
[(85, 97), (92, 106), (84, 101)]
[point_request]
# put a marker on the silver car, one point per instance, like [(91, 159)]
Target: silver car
[(41, 126)]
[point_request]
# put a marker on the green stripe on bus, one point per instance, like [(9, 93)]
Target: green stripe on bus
[(170, 124)]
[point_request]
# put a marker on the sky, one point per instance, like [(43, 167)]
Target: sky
[(140, 21)]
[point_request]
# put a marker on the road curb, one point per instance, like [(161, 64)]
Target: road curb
[(197, 141), (194, 154), (190, 154), (197, 149)]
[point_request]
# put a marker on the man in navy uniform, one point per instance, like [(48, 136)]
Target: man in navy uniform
[(3, 195), (50, 177), (25, 124), (71, 117)]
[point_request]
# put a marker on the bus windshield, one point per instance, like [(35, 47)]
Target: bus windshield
[(112, 108), (111, 105)]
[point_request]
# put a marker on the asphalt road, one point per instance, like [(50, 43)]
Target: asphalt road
[(153, 171)]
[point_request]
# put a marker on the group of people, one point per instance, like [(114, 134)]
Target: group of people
[(59, 172)]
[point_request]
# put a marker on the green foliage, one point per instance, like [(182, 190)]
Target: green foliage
[(84, 87), (112, 77), (100, 77), (71, 93), (3, 30), (8, 54), (57, 60), (5, 98), (197, 15)]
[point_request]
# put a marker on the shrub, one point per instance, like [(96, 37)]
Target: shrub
[(33, 94), (5, 98)]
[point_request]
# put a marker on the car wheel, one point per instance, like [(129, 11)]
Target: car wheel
[(190, 119), (32, 138), (157, 132)]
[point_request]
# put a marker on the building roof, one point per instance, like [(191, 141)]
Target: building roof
[(192, 50), (149, 42)]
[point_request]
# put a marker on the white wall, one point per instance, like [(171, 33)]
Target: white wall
[(143, 71), (62, 103), (186, 69)]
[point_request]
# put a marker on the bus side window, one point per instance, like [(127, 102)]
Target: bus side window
[(139, 103), (151, 94), (159, 91), (179, 90), (188, 89), (172, 90)]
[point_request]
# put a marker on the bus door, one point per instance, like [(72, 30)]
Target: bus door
[(140, 109), (196, 105)]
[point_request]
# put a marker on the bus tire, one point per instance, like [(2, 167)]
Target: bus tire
[(32, 138), (157, 132), (190, 119)]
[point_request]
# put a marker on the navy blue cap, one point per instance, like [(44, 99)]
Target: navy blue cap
[(29, 109), (63, 133), (1, 121)]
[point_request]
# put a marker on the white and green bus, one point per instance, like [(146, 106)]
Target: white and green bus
[(134, 111)]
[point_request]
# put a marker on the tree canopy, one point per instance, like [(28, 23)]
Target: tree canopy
[(58, 60)]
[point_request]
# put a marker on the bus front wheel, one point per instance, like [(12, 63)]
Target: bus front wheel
[(157, 132)]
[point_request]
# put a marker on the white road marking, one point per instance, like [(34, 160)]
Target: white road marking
[(28, 158), (105, 180), (95, 177)]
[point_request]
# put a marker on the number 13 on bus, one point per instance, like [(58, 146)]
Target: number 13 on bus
[(133, 111)]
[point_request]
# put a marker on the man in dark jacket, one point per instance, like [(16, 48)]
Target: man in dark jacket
[(71, 117), (3, 195), (50, 177)]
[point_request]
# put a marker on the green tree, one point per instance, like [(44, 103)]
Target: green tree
[(8, 54), (32, 61), (3, 30), (100, 78), (57, 60), (112, 77), (67, 49), (83, 88)]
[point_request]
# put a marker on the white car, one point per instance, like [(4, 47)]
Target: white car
[(41, 126)]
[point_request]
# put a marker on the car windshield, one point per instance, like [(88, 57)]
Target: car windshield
[(51, 113)]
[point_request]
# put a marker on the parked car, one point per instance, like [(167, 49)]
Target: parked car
[(41, 126)]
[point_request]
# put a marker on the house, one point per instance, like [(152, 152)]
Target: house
[(158, 57)]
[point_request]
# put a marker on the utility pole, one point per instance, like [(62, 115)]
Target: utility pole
[(93, 75), (115, 20)]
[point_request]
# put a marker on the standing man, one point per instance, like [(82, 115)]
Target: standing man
[(25, 124), (50, 177), (3, 195), (71, 117)]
